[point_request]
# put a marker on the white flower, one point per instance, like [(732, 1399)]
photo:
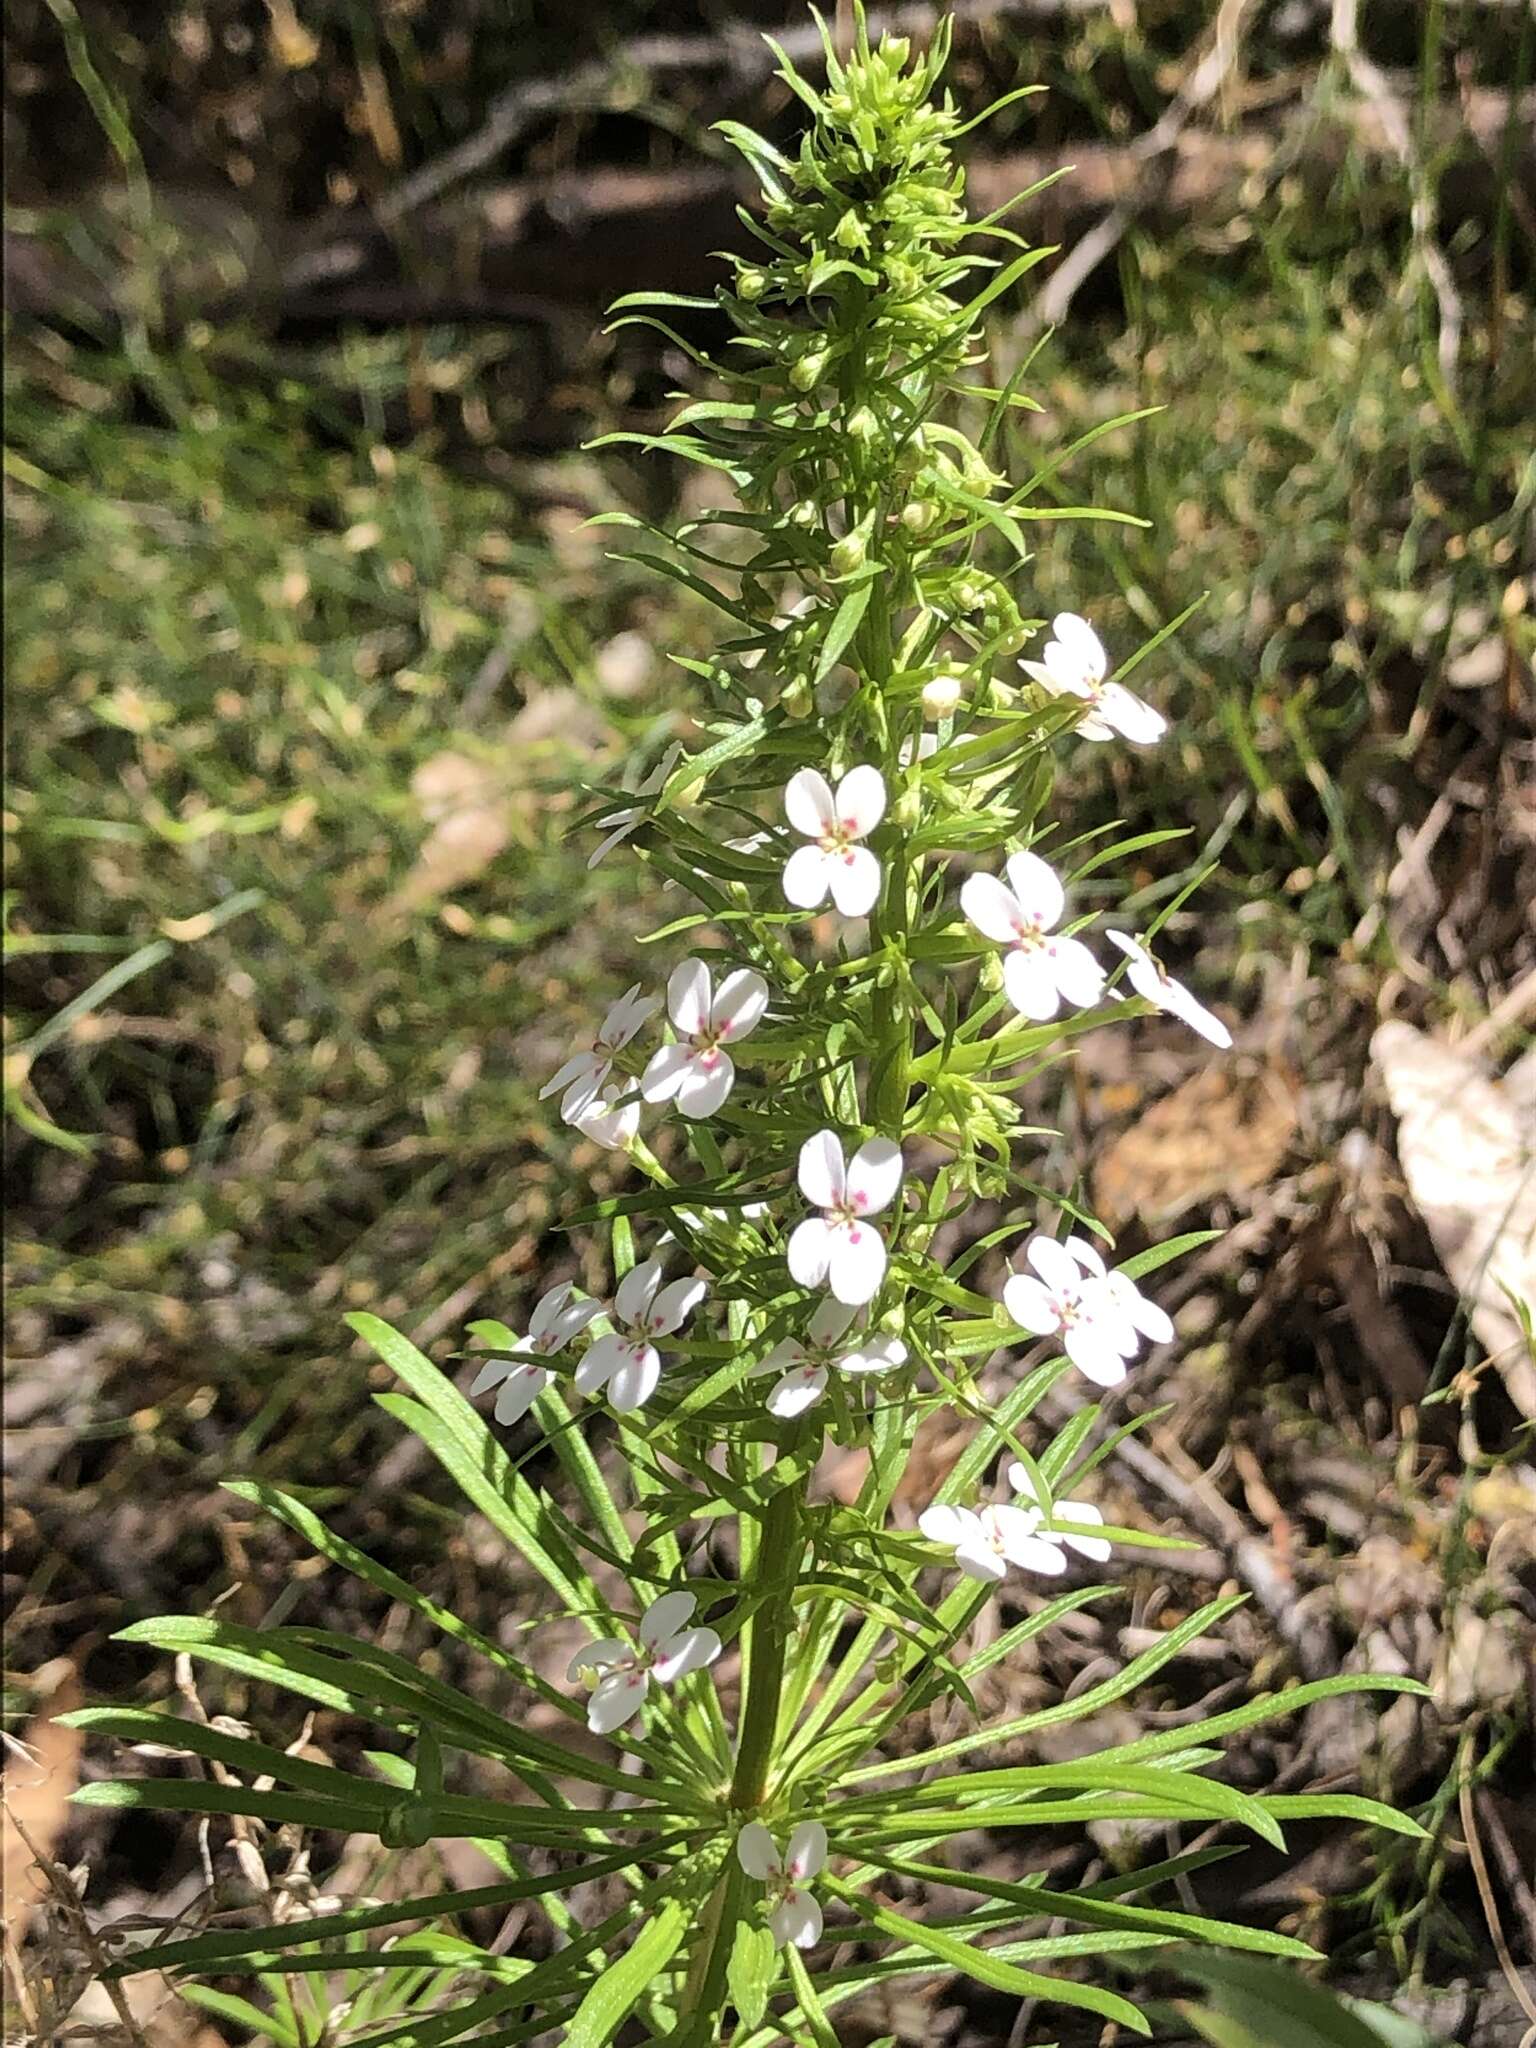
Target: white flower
[(1152, 981), (608, 1120), (1070, 1296), (839, 1247), (1094, 1547), (1074, 664), (626, 1360), (985, 1544), (1040, 967), (834, 824), (554, 1322), (667, 1649), (697, 1070), (622, 823), (796, 1916), (805, 1363), (583, 1074)]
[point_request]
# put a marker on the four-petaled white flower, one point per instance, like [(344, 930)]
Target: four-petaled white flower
[(667, 1649), (985, 1543), (834, 825), (1094, 1547), (1101, 1317), (1040, 967), (1074, 664), (840, 1248), (626, 1360), (554, 1322), (804, 1363), (583, 1074), (698, 1071), (1152, 981), (796, 1915), (622, 823)]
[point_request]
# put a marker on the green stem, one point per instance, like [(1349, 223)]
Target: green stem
[(768, 1638)]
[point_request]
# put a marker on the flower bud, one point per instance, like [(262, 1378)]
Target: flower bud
[(941, 697), (750, 285), (797, 701), (863, 426), (807, 373), (919, 514), (803, 515), (850, 232), (907, 811), (850, 552)]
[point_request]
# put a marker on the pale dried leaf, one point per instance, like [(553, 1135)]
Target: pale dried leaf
[(38, 1786), (1467, 1146), (1224, 1133)]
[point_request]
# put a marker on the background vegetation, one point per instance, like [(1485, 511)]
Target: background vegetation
[(309, 655)]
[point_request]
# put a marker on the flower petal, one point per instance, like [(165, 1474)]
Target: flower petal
[(520, 1390), (992, 907), (665, 1616), (810, 1251), (1078, 975), (688, 997), (617, 1699), (874, 1175), (757, 1852), (665, 1072), (597, 1656), (637, 1290), (1030, 1305), (799, 1389), (861, 801), (574, 1069), (797, 1920), (1037, 888), (829, 1323), (1037, 1554), (595, 1369), (1129, 716), (808, 802), (1030, 980), (854, 878), (806, 1850), (627, 1015), (880, 1354), (785, 1355), (856, 1263), (1055, 1265), (807, 877), (1094, 1547), (978, 1560), (1081, 648), (822, 1174), (491, 1374), (635, 1380), (675, 1304), (1092, 1348), (689, 1651), (706, 1082), (739, 1004), (946, 1525)]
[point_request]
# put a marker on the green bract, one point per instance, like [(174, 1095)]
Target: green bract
[(868, 740)]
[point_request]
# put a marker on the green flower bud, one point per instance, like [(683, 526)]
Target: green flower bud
[(863, 426), (850, 232), (907, 811), (804, 515), (851, 552), (750, 285), (807, 373), (797, 701), (919, 515)]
